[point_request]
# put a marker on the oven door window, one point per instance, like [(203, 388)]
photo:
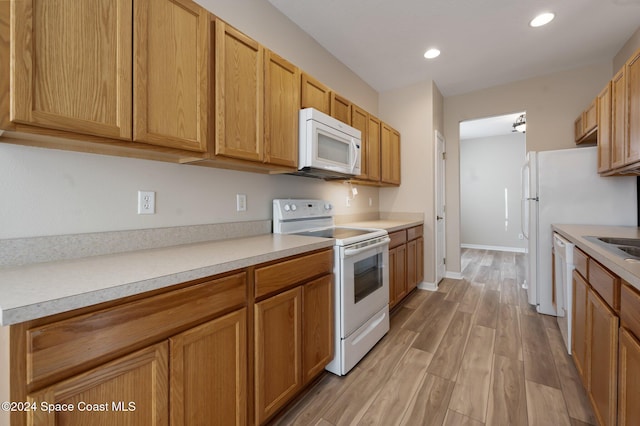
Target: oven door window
[(367, 276)]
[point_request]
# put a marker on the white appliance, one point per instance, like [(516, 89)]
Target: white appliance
[(361, 276), (564, 187), (329, 148), (563, 267)]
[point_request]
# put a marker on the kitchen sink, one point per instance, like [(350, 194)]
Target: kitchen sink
[(627, 248)]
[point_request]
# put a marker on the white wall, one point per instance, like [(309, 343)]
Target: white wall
[(50, 192), (552, 103), (488, 167)]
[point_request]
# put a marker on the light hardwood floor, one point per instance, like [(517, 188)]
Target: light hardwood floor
[(472, 353)]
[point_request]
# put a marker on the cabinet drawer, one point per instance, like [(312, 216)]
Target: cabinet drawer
[(88, 340), (279, 276), (415, 232), (605, 283), (397, 238), (580, 261), (630, 308)]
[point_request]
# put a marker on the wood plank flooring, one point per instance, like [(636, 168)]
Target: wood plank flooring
[(472, 353)]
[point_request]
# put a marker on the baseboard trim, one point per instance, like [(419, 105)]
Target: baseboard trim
[(453, 275), (494, 248), (428, 286)]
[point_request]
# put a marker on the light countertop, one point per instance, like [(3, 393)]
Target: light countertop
[(628, 271), (390, 225), (42, 289)]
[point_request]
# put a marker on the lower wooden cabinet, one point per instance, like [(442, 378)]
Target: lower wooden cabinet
[(397, 274), (132, 390), (317, 330), (278, 358), (406, 262), (628, 379), (602, 359), (579, 336), (208, 374)]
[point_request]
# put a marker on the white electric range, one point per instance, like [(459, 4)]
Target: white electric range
[(361, 276)]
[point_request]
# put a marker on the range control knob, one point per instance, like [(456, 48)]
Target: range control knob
[(328, 206), (293, 207), (287, 207)]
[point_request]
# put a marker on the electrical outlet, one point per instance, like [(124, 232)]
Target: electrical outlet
[(241, 202), (520, 236), (348, 201), (146, 202)]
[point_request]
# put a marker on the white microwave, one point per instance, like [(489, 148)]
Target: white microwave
[(329, 148)]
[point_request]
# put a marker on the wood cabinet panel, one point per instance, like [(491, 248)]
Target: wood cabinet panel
[(397, 274), (209, 373), (317, 326), (632, 114), (605, 283), (281, 275), (278, 369), (412, 265), (71, 66), (373, 149), (390, 155), (580, 329), (360, 121), (604, 129), (578, 128), (628, 380), (340, 108), (171, 85), (420, 260), (239, 94), (630, 308), (581, 261), (618, 121), (56, 348), (602, 359), (590, 117), (415, 232), (314, 94), (281, 107), (397, 238), (140, 378)]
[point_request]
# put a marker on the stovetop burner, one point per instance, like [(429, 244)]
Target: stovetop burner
[(336, 232)]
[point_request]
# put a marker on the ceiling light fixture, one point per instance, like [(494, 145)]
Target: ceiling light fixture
[(521, 124), (432, 53), (542, 19)]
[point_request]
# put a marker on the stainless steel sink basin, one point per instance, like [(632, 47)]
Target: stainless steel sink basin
[(626, 248)]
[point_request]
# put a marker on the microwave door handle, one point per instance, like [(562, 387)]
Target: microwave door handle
[(354, 148)]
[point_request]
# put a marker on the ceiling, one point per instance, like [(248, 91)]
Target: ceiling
[(483, 42)]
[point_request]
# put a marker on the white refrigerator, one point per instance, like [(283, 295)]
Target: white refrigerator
[(563, 186)]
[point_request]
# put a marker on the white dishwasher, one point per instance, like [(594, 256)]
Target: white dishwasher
[(563, 251)]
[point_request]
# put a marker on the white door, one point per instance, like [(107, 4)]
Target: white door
[(440, 225)]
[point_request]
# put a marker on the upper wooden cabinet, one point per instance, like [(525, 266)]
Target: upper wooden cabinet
[(239, 94), (77, 64), (281, 110), (315, 94), (586, 124), (373, 149), (604, 129), (71, 67), (171, 73), (618, 107), (632, 113), (341, 108), (360, 121), (390, 155)]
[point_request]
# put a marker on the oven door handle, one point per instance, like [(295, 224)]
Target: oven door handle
[(353, 252)]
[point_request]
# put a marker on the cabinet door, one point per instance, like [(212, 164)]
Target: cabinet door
[(629, 380), (373, 149), (618, 133), (340, 108), (315, 94), (71, 65), (278, 359), (281, 107), (132, 390), (208, 373), (359, 120), (602, 358), (604, 129), (239, 95), (578, 128), (590, 120), (317, 326), (401, 273), (393, 256), (412, 265), (390, 146), (420, 259), (171, 86), (632, 149), (579, 337)]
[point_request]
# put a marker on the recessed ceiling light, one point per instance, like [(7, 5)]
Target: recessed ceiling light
[(432, 53), (542, 19)]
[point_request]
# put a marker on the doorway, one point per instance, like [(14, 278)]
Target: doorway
[(492, 153)]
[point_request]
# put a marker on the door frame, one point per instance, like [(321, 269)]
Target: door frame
[(440, 225)]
